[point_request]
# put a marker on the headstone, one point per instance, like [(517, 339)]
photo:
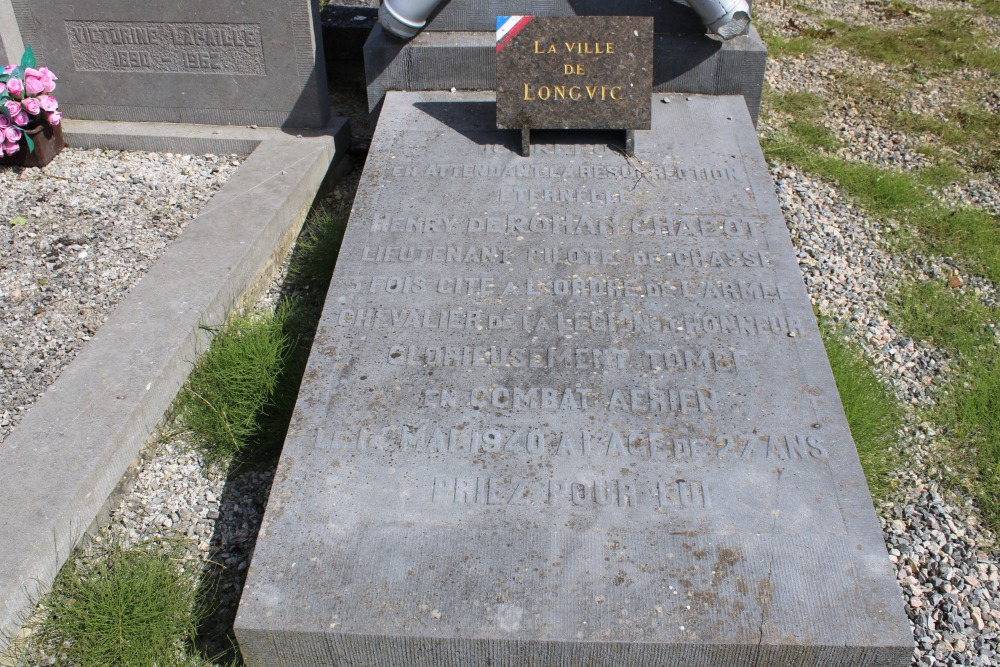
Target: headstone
[(572, 409), (456, 49), (186, 61), (11, 46)]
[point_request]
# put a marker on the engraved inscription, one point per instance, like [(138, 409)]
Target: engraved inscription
[(629, 288), (461, 440), (582, 492), (195, 48), (628, 172), (640, 400), (624, 322), (518, 225)]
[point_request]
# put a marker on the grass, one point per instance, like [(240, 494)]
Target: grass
[(965, 233), (969, 411), (948, 40), (872, 412), (235, 384), (240, 396), (779, 45), (803, 105), (968, 129), (126, 607)]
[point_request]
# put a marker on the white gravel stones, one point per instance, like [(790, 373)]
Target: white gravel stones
[(74, 238)]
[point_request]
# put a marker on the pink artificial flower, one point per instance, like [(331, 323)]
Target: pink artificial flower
[(31, 71), (34, 84), (48, 102), (31, 105), (21, 119), (8, 148), (4, 121), (48, 79), (13, 107), (12, 134), (54, 117), (9, 68), (15, 87)]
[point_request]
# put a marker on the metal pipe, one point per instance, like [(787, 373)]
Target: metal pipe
[(405, 18), (726, 18)]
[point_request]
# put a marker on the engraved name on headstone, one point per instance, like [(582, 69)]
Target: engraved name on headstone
[(569, 409), (187, 61), (203, 48)]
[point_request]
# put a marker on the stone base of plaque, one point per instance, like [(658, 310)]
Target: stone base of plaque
[(569, 409), (440, 60)]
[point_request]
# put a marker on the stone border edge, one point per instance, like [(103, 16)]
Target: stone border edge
[(67, 457)]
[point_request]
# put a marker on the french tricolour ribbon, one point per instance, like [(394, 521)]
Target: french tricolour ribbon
[(507, 27)]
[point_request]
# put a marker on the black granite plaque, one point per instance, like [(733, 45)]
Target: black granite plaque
[(581, 72)]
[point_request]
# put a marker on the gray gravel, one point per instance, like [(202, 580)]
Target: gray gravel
[(74, 238)]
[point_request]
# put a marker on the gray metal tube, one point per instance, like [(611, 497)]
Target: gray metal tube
[(726, 18), (405, 18)]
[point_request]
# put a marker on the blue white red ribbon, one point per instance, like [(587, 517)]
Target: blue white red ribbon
[(507, 27)]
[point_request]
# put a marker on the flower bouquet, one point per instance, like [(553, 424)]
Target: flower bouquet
[(29, 115)]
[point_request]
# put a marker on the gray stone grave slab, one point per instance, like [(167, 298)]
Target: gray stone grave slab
[(186, 61), (571, 409)]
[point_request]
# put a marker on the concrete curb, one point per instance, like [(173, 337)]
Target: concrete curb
[(68, 454)]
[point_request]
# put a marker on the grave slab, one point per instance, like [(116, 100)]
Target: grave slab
[(569, 409), (182, 62)]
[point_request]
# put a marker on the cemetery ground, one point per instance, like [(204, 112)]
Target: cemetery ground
[(879, 122)]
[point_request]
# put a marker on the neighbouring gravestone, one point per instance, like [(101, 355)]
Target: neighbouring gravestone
[(456, 49), (569, 409), (186, 61)]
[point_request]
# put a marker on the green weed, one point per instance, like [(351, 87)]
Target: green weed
[(799, 104), (946, 41), (879, 94), (317, 248), (969, 129), (969, 411), (966, 233), (241, 394), (779, 45), (932, 313), (991, 7), (234, 385), (872, 412), (127, 607)]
